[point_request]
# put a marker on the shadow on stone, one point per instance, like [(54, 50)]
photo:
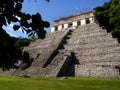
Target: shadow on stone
[(69, 68), (27, 61), (71, 65)]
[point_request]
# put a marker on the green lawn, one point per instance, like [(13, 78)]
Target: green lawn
[(71, 83)]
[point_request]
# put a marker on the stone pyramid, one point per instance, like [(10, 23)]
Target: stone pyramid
[(76, 46)]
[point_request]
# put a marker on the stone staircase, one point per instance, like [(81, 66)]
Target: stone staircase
[(92, 46), (50, 61), (87, 51)]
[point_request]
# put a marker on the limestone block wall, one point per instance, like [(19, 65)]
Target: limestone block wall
[(97, 52), (44, 65), (72, 22), (74, 18), (91, 70)]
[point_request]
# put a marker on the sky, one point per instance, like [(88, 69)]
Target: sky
[(55, 9)]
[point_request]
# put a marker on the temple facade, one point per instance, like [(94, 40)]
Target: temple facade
[(72, 22)]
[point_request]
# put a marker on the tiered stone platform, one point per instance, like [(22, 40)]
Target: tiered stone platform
[(87, 51), (97, 52)]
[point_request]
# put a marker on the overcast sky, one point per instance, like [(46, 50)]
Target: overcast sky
[(55, 9)]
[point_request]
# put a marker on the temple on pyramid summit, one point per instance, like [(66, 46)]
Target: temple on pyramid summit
[(72, 22), (76, 46)]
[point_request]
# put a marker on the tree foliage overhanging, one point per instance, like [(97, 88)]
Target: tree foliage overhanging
[(10, 47), (108, 16)]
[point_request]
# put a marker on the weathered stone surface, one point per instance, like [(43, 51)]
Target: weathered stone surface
[(87, 51), (91, 45), (102, 38), (96, 71)]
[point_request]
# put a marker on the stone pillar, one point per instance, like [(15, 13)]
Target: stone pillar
[(59, 27), (75, 24), (66, 26), (53, 29), (91, 20), (83, 22)]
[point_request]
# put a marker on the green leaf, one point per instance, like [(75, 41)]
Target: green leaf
[(27, 16), (16, 27), (21, 1), (46, 24), (2, 20), (18, 6)]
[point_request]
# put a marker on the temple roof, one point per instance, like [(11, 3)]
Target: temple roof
[(71, 16)]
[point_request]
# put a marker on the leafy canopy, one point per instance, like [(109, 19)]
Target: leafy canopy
[(10, 47), (10, 12), (108, 16)]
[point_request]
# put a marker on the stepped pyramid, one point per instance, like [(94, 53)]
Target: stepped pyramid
[(76, 46)]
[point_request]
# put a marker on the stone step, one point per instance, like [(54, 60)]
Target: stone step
[(36, 47), (40, 44), (88, 35), (61, 51), (37, 50), (82, 31), (58, 63), (43, 42), (91, 45), (109, 57), (91, 25), (7, 72), (88, 31), (47, 55), (34, 53), (79, 29), (47, 38), (94, 51), (33, 72), (52, 35), (87, 28), (100, 38), (105, 63), (57, 59), (56, 33)]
